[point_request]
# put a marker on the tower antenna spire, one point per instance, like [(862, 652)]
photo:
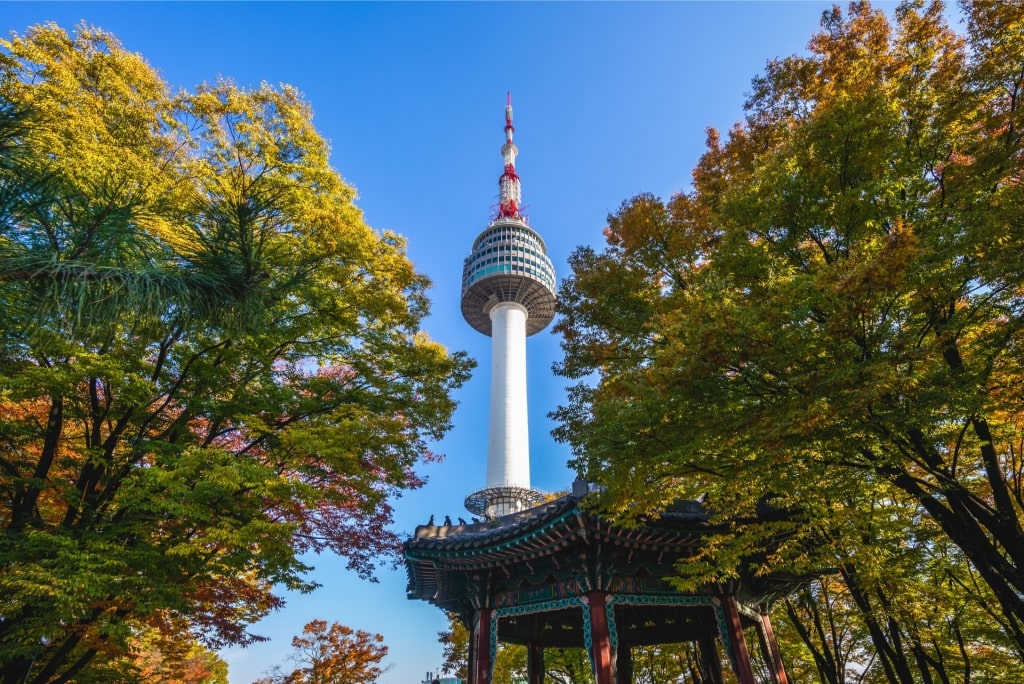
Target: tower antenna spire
[(509, 189)]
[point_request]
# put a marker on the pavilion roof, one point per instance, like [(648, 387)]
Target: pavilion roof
[(453, 566), (441, 558)]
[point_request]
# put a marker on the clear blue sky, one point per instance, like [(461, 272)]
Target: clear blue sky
[(611, 100)]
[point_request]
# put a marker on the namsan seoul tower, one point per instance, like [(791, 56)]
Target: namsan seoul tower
[(508, 293)]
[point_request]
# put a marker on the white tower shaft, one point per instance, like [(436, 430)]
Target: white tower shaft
[(508, 445)]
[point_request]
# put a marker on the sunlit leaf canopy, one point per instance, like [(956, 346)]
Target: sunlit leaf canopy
[(829, 321), (211, 364)]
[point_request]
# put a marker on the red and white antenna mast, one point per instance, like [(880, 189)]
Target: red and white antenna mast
[(509, 190)]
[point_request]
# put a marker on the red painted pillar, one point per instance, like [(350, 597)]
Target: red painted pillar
[(738, 645), (600, 639), (770, 648), (480, 647)]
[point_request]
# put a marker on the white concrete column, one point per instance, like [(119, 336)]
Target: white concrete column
[(508, 444)]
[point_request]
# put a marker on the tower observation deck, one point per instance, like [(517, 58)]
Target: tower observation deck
[(508, 293)]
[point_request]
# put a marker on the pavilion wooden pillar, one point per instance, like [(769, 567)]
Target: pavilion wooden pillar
[(770, 649), (471, 660), (535, 664), (480, 647), (600, 639), (708, 659), (737, 644), (623, 664)]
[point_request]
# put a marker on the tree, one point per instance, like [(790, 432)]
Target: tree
[(509, 662), (333, 655), (904, 606), (158, 658), (154, 656), (209, 364), (455, 648), (832, 316), (568, 666)]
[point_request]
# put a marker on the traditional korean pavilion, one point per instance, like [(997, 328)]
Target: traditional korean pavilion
[(557, 575)]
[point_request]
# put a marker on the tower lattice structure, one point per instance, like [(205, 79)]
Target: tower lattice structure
[(508, 293)]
